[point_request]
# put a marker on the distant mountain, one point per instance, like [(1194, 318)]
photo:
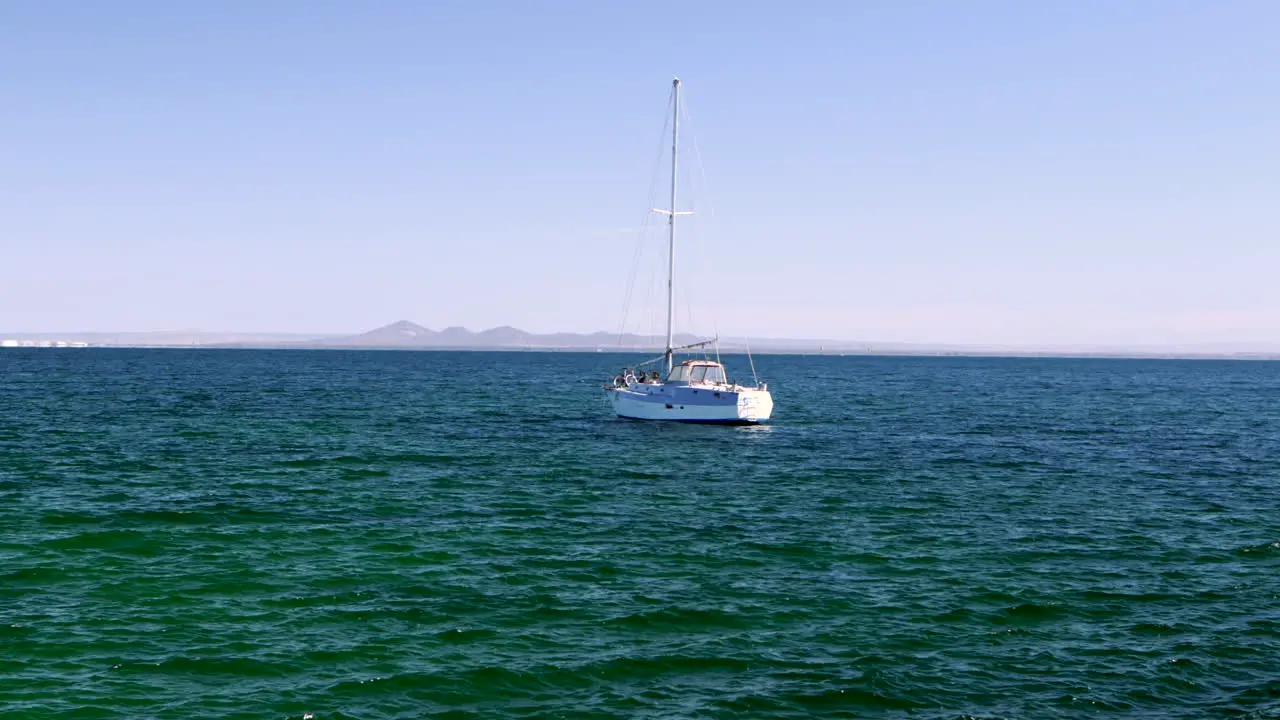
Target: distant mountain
[(405, 334), (398, 334), (454, 336), (505, 335)]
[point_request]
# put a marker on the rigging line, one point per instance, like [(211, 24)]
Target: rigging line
[(699, 250), (631, 281), (688, 308), (646, 330), (697, 152), (645, 219), (755, 378), (641, 237), (702, 173)]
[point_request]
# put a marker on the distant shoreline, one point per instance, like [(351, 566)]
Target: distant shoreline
[(405, 335), (657, 352)]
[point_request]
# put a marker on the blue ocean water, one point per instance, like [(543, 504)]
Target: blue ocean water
[(271, 534)]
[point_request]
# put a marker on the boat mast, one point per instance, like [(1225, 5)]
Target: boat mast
[(671, 236)]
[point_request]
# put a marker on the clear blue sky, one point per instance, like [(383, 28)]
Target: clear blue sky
[(1003, 172)]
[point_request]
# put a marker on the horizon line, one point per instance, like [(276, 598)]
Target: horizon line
[(222, 337)]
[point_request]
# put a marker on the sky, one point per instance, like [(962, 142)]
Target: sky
[(1000, 172)]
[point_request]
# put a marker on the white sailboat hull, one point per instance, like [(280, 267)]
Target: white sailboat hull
[(742, 406)]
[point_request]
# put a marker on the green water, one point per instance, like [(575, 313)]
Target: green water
[(210, 534)]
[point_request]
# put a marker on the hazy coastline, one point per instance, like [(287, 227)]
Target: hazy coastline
[(404, 335)]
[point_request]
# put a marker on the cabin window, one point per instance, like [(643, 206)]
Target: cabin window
[(715, 375), (699, 373), (679, 373)]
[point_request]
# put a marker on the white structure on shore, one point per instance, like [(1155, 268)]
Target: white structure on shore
[(10, 343)]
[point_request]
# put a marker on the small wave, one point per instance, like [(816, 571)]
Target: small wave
[(318, 600), (196, 434), (315, 462), (373, 459), (357, 473), (344, 616), (1264, 628), (638, 475), (168, 517), (113, 497), (628, 668), (834, 699), (59, 518), (14, 630), (459, 636), (1128, 597), (219, 513), (791, 549), (32, 575), (231, 666), (420, 458), (492, 679), (677, 618), (1158, 629), (126, 541), (1033, 612), (995, 597), (955, 615), (1259, 701), (1264, 550)]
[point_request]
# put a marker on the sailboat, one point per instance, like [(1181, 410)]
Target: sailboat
[(693, 391)]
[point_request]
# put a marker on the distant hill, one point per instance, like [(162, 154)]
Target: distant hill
[(407, 335), (505, 335), (398, 334)]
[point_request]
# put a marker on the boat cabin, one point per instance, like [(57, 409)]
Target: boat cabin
[(697, 372)]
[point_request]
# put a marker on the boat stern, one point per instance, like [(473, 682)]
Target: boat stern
[(754, 405)]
